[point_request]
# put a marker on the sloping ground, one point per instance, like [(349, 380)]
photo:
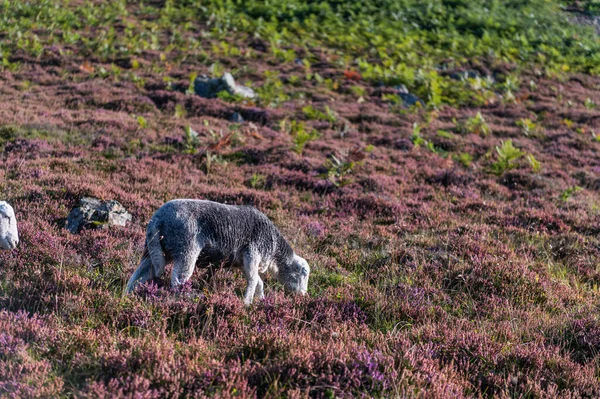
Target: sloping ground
[(446, 263)]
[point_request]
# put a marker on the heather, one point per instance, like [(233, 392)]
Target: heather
[(451, 224)]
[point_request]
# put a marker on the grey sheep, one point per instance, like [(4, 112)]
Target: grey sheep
[(9, 236), (198, 232)]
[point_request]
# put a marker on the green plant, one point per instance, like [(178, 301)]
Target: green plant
[(191, 141), (392, 98), (295, 80), (216, 69), (430, 86), (257, 181), (589, 103), (300, 134), (192, 80), (476, 125), (338, 171), (314, 114), (272, 92), (209, 160), (568, 123), (229, 97), (416, 137), (507, 157), (568, 193), (528, 127), (418, 141), (358, 91), (445, 134), (534, 163), (180, 111), (464, 158), (142, 122)]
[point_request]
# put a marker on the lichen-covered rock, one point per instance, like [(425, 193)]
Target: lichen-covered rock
[(94, 213), (209, 87)]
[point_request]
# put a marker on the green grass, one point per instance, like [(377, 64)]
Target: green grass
[(406, 41)]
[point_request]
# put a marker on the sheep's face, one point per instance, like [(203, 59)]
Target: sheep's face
[(9, 237), (296, 276)]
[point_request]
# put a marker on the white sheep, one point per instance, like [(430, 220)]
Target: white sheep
[(198, 232), (9, 236)]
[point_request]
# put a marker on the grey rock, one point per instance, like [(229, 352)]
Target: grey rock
[(244, 91), (206, 87), (237, 117), (584, 19), (209, 87), (408, 98), (228, 82), (469, 74), (91, 213), (403, 144), (402, 89)]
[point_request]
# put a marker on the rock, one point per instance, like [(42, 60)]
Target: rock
[(229, 82), (403, 145), (209, 88), (469, 74), (244, 91), (402, 89), (206, 87), (237, 118), (91, 213), (408, 98), (581, 18)]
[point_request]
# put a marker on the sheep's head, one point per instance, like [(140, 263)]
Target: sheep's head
[(295, 276), (9, 236)]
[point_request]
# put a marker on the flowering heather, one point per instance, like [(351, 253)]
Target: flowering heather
[(438, 268)]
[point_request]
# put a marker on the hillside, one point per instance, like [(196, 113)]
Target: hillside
[(437, 162)]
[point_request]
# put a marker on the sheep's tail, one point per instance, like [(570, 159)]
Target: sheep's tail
[(154, 249)]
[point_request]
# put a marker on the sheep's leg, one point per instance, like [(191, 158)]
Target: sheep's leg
[(260, 289), (183, 267), (143, 273), (251, 263)]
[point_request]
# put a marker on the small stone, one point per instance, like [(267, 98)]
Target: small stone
[(92, 213), (403, 145), (402, 89), (244, 91), (469, 74), (237, 118), (408, 98), (209, 88), (206, 87), (229, 82)]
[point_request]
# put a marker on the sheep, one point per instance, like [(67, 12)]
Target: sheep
[(9, 236), (200, 233)]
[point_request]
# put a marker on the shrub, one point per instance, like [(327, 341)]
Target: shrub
[(507, 157), (300, 134)]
